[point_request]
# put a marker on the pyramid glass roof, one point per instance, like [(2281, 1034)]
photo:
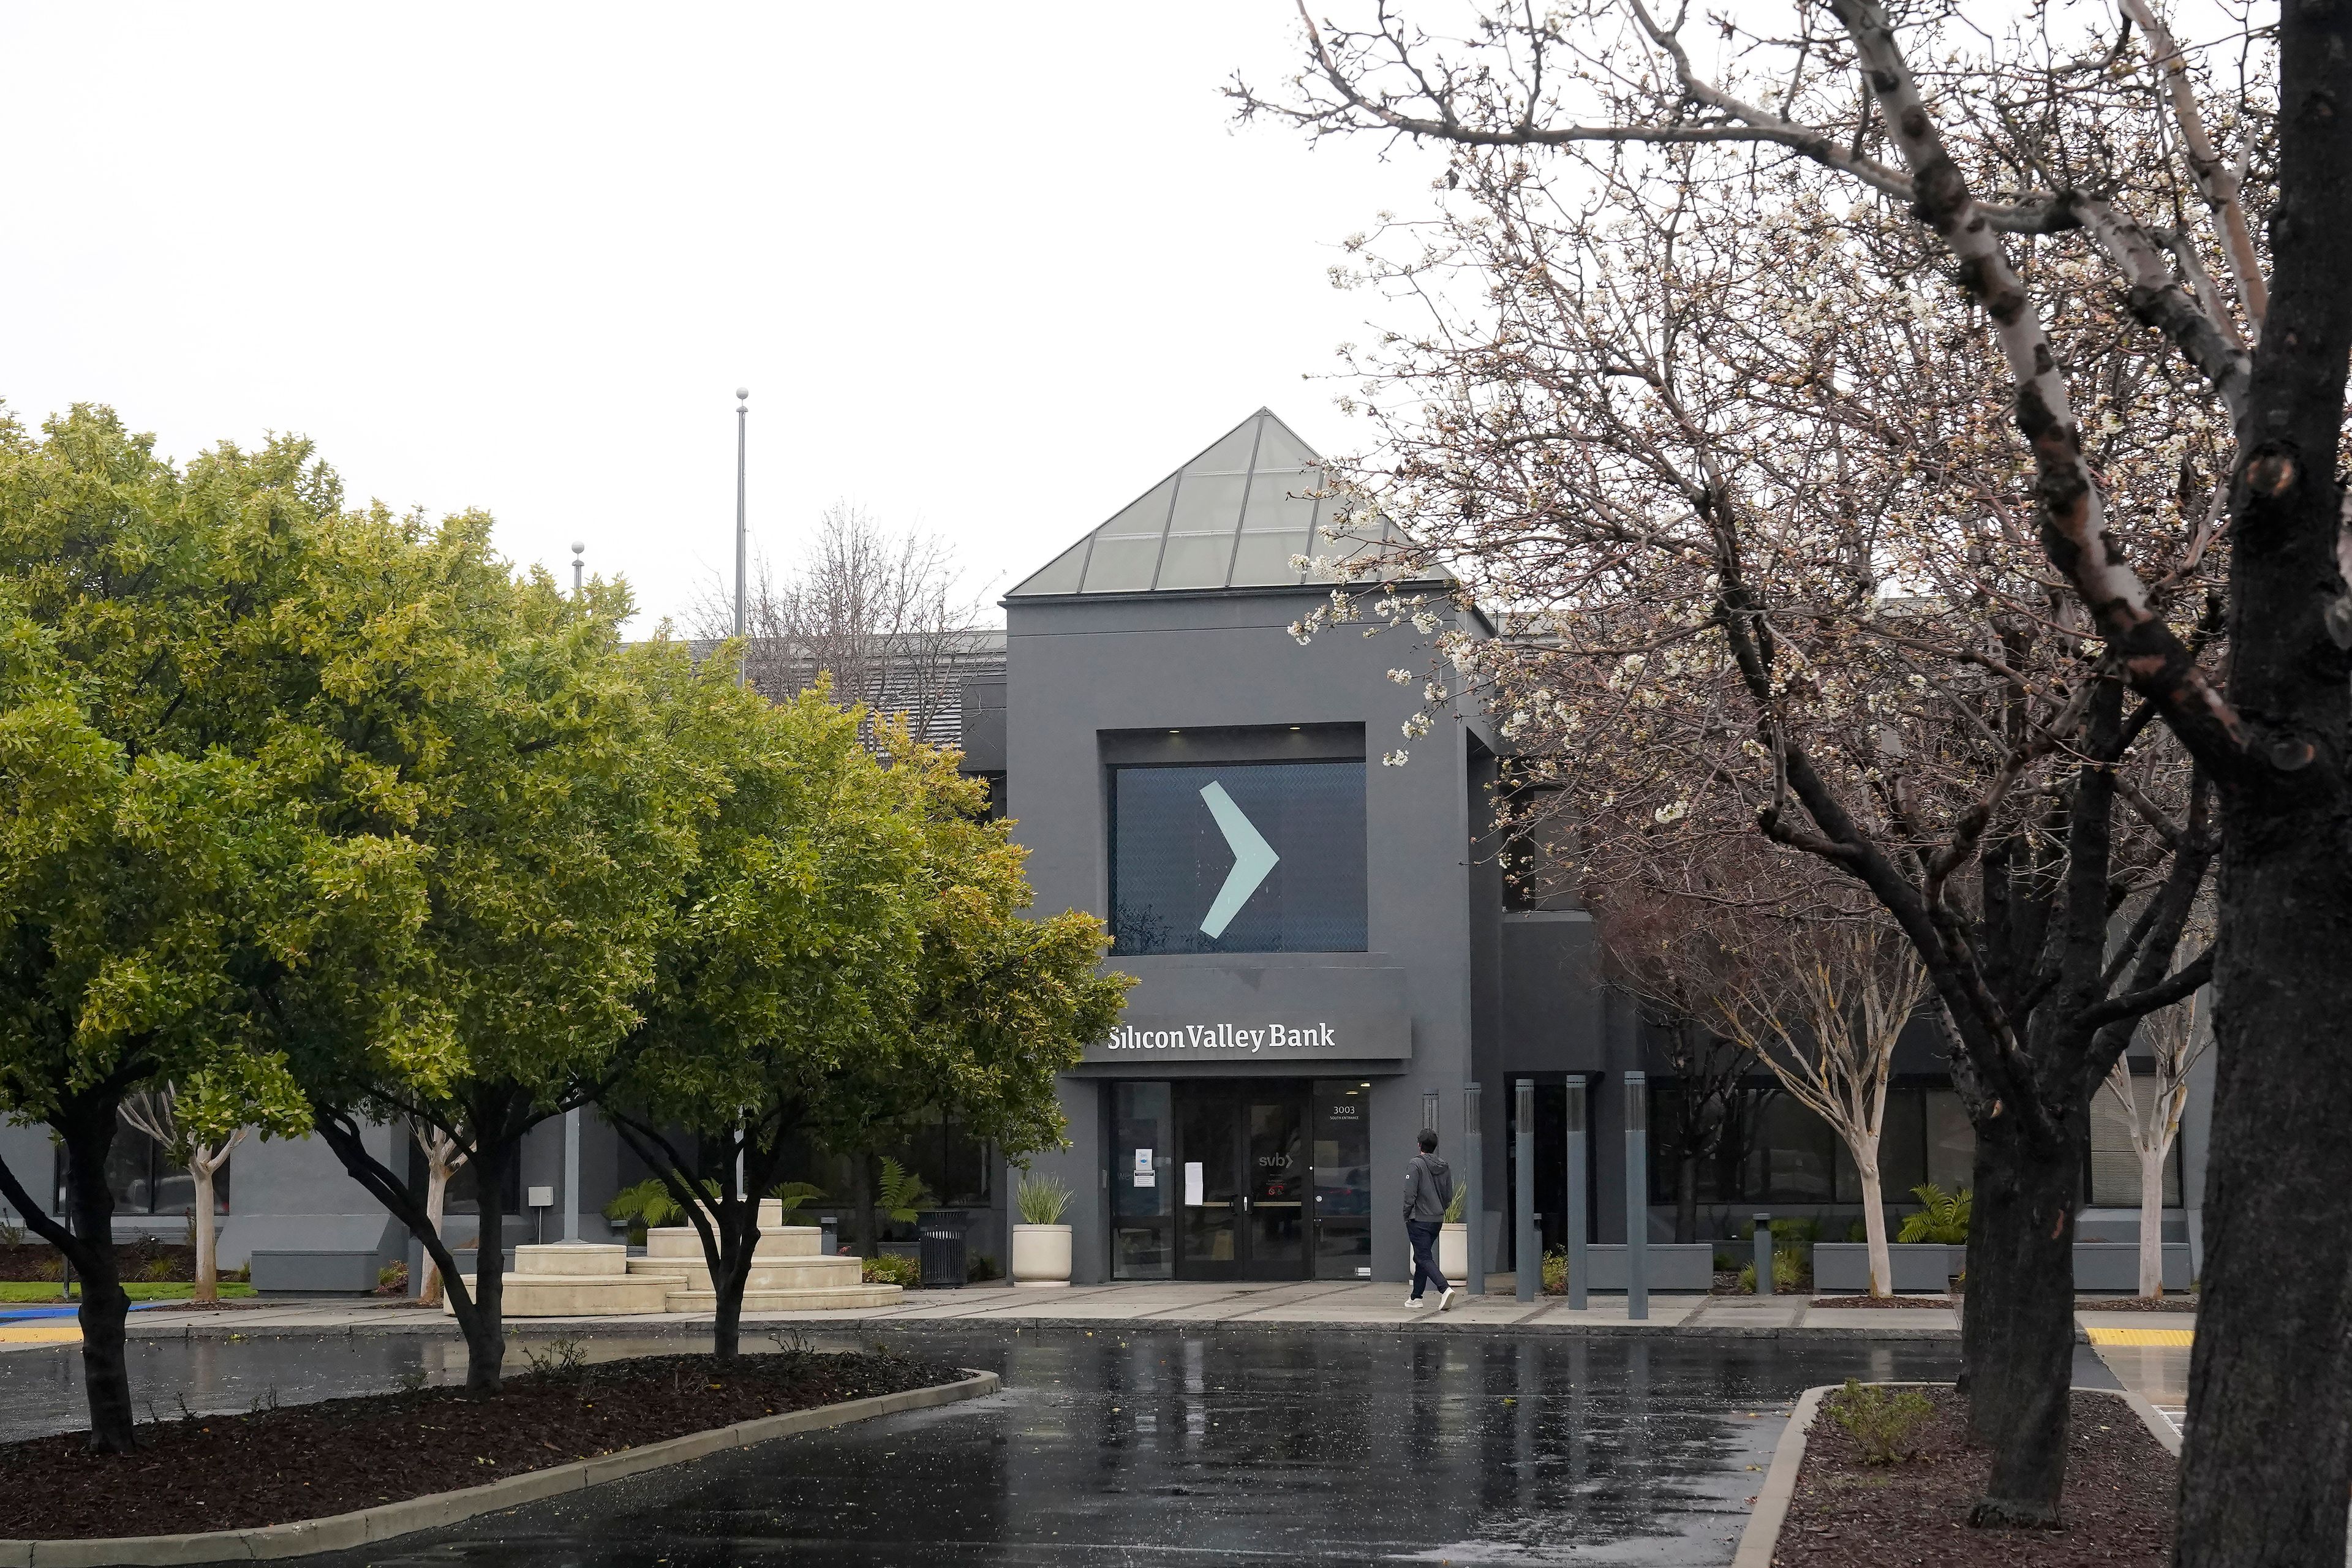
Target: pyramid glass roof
[(1233, 517)]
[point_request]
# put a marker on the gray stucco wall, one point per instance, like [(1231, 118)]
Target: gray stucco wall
[(1079, 667)]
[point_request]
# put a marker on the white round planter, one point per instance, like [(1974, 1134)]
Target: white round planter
[(1453, 1252), (1040, 1255)]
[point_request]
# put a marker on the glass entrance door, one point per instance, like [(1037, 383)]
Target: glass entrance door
[(1243, 1182), (1210, 1235)]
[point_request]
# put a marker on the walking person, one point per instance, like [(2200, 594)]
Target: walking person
[(1428, 1192)]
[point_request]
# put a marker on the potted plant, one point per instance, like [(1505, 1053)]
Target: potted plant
[(1041, 1242), (1453, 1238)]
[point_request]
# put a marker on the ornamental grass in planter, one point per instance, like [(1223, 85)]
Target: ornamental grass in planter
[(1041, 1242)]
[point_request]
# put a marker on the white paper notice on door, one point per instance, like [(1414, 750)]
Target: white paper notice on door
[(1191, 1181)]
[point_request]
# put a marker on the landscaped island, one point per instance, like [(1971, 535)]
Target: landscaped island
[(1856, 1508), (278, 1465)]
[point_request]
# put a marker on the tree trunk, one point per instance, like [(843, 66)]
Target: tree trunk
[(2017, 1330), (726, 1318), (2151, 1219), (200, 1172), (436, 1200), (90, 1204), (1873, 1218), (486, 1339), (2265, 1461), (1687, 1198), (2265, 1454)]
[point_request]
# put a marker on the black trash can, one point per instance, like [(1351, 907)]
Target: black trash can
[(942, 1248)]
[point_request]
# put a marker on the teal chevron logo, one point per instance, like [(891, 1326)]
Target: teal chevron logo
[(1253, 857)]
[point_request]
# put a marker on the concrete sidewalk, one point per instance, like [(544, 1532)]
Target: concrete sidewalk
[(1330, 1304), (1293, 1304)]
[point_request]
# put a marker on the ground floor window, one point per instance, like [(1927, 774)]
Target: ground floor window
[(1219, 1179), (145, 1179), (2114, 1156), (1778, 1152)]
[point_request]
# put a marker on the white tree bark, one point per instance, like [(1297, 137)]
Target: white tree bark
[(2151, 1219), (441, 1158), (1864, 1147), (203, 1163)]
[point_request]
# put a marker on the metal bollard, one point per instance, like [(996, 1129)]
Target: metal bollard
[(1473, 1206), (1764, 1285), (1528, 1245), (1637, 1196), (1579, 1254)]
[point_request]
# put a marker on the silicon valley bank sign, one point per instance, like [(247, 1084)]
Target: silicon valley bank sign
[(1376, 1039), (1205, 1037)]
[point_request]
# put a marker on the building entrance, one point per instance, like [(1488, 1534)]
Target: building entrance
[(1251, 1179)]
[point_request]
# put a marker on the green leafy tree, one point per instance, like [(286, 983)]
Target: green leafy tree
[(539, 774), (793, 942), (1000, 1004), (172, 831)]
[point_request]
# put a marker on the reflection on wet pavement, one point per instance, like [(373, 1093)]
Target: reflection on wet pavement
[(1233, 1444)]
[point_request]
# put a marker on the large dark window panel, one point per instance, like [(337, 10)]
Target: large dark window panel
[(1170, 858)]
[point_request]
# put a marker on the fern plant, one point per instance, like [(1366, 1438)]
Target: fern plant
[(1940, 1218), (900, 1193)]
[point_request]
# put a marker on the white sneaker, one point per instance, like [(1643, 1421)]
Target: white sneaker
[(1446, 1300), (1412, 1301)]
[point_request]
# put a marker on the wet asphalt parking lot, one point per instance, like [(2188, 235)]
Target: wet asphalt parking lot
[(1255, 1446)]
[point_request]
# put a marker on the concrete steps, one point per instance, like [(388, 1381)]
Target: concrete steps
[(789, 1273)]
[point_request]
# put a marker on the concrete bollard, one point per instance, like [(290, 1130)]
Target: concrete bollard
[(1764, 1285)]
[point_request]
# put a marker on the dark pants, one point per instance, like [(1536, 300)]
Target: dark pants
[(1423, 1235)]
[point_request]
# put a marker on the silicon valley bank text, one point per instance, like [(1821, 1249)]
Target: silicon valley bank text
[(1222, 1037)]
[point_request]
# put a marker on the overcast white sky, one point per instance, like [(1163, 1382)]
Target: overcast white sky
[(991, 270)]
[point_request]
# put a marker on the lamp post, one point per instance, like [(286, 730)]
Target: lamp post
[(578, 550), (743, 413), (572, 1117)]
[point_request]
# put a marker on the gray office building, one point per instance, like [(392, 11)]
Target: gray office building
[(1322, 956)]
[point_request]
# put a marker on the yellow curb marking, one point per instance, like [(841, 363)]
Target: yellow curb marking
[(41, 1334), (2142, 1336)]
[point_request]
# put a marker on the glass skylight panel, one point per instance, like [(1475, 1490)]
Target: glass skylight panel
[(1236, 516), (1061, 575)]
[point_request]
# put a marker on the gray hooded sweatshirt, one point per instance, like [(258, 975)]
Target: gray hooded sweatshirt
[(1428, 1188)]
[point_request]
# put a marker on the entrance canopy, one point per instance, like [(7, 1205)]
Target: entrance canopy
[(1237, 516)]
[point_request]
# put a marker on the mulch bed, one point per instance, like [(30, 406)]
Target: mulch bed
[(2115, 1511), (134, 1260), (1941, 1301), (306, 1461)]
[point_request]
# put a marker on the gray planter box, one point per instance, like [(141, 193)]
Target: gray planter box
[(2114, 1266), (1843, 1268), (1668, 1266), (315, 1273)]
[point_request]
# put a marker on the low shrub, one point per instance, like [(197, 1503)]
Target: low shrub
[(158, 1269), (982, 1269), (1882, 1421), (392, 1280), (50, 1268), (1555, 1272), (891, 1269), (1790, 1273)]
